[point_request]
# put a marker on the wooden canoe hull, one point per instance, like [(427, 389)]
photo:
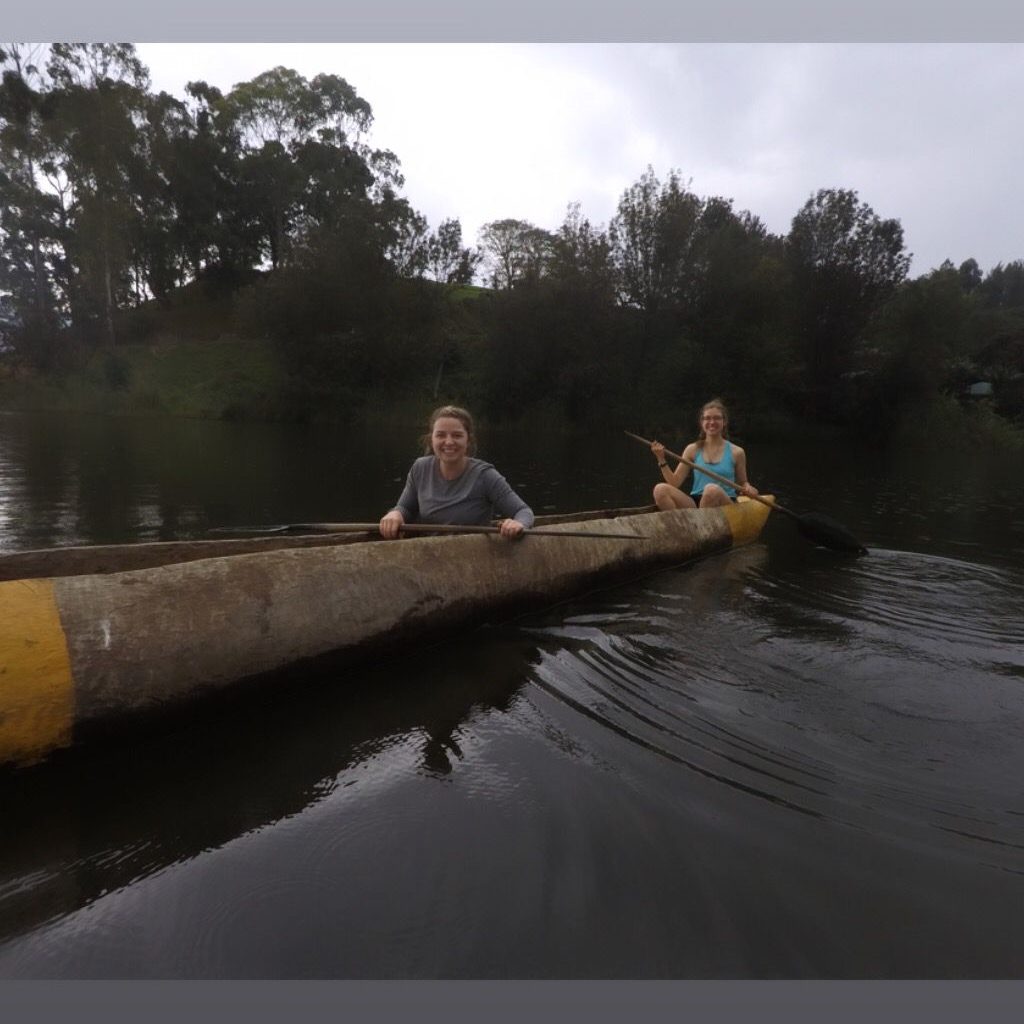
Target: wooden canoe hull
[(77, 650)]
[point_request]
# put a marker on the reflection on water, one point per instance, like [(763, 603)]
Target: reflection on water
[(93, 820), (92, 479), (777, 763)]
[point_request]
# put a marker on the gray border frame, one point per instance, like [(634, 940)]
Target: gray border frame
[(600, 1002), (549, 21)]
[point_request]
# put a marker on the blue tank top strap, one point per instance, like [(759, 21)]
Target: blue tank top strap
[(725, 467)]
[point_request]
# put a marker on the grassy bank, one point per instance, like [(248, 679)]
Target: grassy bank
[(214, 379), (946, 423), (225, 377)]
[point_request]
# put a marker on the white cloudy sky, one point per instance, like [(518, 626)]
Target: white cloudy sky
[(928, 132)]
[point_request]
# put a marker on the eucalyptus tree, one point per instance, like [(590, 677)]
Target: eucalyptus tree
[(846, 262), (95, 111), (349, 197), (970, 274), (31, 257), (582, 254), (656, 249), (406, 249), (590, 360), (218, 218), (654, 237), (513, 251), (1003, 286), (947, 329), (281, 106), (555, 336), (448, 261), (998, 351), (160, 250), (919, 343), (736, 321), (196, 222), (284, 122)]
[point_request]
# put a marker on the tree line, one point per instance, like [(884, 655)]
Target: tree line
[(115, 201)]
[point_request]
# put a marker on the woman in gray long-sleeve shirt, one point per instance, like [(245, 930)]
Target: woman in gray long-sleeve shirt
[(449, 486)]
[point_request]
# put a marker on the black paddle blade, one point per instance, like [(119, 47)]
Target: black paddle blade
[(829, 534)]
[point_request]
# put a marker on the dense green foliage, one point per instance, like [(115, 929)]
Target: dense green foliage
[(130, 221)]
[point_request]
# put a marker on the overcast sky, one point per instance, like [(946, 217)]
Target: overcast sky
[(932, 135)]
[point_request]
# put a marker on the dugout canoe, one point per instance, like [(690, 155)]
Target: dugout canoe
[(92, 636)]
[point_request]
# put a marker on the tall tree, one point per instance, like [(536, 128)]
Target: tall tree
[(513, 250), (97, 108), (917, 345), (27, 219), (280, 118), (1003, 286), (846, 262), (970, 274), (582, 254), (737, 319), (407, 248), (653, 236), (218, 219), (448, 261)]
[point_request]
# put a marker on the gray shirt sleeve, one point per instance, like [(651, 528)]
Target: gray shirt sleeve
[(507, 504), (408, 501)]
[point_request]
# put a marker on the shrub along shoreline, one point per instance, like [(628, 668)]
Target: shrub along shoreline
[(232, 378)]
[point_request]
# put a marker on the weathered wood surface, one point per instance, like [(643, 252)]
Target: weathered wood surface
[(80, 649)]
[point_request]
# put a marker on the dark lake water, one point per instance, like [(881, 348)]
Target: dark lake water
[(779, 763)]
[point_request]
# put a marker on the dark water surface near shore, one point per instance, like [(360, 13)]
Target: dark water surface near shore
[(777, 763)]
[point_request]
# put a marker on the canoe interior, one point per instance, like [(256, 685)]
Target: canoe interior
[(110, 558)]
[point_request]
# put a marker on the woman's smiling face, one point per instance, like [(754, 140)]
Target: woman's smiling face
[(449, 439), (712, 420)]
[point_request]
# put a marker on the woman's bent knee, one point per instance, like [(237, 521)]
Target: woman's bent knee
[(714, 495), (667, 498)]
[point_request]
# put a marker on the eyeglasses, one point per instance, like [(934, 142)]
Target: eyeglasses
[(705, 419)]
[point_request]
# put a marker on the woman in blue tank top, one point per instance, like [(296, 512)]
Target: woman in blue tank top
[(712, 449)]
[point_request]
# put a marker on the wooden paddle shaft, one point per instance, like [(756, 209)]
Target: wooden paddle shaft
[(452, 528), (715, 476)]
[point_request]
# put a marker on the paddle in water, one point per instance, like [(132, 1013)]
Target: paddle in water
[(816, 528)]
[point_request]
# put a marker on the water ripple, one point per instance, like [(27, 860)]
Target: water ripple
[(883, 693)]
